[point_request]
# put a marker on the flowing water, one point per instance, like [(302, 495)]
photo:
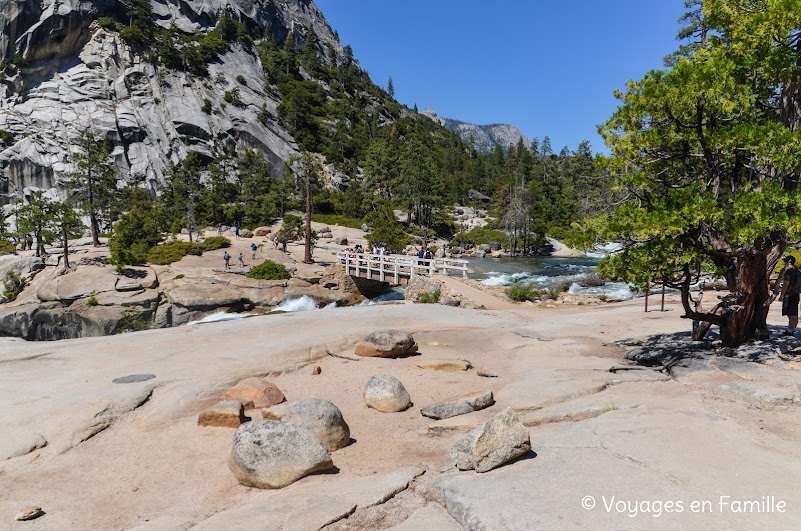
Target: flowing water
[(543, 272)]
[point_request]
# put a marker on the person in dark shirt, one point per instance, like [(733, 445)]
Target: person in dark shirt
[(790, 294)]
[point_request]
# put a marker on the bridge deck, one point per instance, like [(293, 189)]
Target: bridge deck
[(397, 269)]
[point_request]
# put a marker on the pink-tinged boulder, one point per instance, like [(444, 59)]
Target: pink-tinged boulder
[(255, 393)]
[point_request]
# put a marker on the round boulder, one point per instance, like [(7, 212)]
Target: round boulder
[(271, 455), (387, 394), (322, 418), (341, 240), (387, 343)]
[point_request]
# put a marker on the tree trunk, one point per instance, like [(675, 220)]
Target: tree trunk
[(307, 256), (747, 317), (65, 246), (95, 229)]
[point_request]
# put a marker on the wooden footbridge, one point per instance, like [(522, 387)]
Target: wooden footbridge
[(397, 269)]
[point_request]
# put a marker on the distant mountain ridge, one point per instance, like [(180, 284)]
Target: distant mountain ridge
[(483, 137)]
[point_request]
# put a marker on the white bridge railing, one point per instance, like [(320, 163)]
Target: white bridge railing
[(394, 267)]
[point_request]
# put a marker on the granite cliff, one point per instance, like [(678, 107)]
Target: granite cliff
[(483, 138), (63, 72)]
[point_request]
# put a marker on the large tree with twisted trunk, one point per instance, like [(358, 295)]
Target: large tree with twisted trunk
[(708, 153)]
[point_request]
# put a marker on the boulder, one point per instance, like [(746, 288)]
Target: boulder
[(365, 228), (341, 240), (255, 393), (442, 365), (29, 513), (245, 233), (271, 455), (485, 247), (498, 441), (495, 246), (387, 394), (228, 414), (323, 418), (81, 283), (459, 405), (325, 230), (262, 231), (387, 343)]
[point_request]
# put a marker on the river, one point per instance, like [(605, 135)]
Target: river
[(544, 272)]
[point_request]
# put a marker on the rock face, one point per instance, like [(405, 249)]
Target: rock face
[(255, 393), (498, 441), (386, 344), (483, 137), (322, 418), (228, 414), (77, 73), (386, 393), (271, 455), (459, 405)]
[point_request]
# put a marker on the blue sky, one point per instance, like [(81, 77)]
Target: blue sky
[(548, 67)]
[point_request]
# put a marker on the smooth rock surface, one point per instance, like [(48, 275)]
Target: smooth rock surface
[(498, 441), (388, 343), (387, 394), (322, 418), (271, 455)]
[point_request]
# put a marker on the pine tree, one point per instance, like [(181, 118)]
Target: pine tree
[(390, 87)]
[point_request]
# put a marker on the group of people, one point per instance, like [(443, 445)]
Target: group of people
[(241, 258)]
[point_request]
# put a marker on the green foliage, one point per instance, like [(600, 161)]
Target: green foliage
[(134, 234), (430, 297), (292, 229), (216, 242), (232, 96), (241, 80), (206, 107), (386, 230), (179, 276), (13, 284), (480, 236), (269, 270), (172, 252), (91, 301), (6, 137), (107, 23), (338, 219), (523, 292)]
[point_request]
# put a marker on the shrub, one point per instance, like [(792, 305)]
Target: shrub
[(107, 23), (172, 252), (206, 107), (429, 297), (13, 284), (523, 292), (479, 236), (91, 301), (215, 242), (232, 97), (241, 80), (338, 219), (269, 270), (179, 277)]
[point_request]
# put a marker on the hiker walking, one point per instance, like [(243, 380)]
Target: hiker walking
[(227, 258), (241, 260), (253, 250)]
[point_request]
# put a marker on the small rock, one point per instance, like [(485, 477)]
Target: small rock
[(443, 365), (365, 228), (228, 414), (498, 441), (486, 373), (386, 344), (133, 378), (323, 418), (341, 240), (271, 455), (29, 513), (275, 412), (255, 393), (459, 405), (387, 394), (316, 370)]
